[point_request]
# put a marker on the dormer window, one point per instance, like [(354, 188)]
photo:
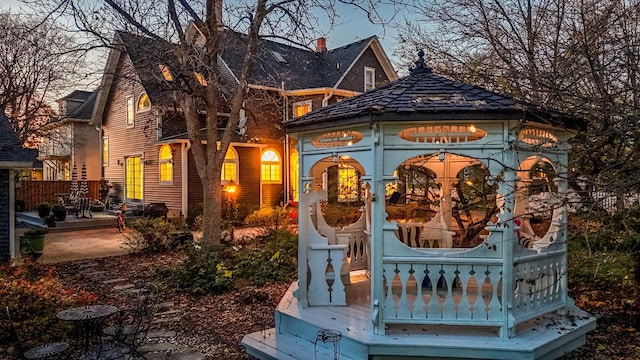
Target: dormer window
[(369, 78), (144, 104), (166, 73), (301, 108)]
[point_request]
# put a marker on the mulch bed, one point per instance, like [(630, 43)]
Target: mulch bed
[(214, 325)]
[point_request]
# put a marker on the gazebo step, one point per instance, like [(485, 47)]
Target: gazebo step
[(271, 345)]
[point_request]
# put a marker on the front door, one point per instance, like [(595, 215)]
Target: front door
[(133, 179)]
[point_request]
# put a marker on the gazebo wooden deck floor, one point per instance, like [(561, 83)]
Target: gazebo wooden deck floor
[(545, 337)]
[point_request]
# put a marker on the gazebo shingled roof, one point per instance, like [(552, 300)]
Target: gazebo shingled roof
[(425, 95)]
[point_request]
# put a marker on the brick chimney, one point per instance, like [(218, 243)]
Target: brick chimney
[(321, 45)]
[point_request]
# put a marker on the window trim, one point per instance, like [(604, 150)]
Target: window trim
[(131, 111), (271, 164), (163, 162), (137, 105), (105, 159), (369, 70), (235, 161), (302, 103)]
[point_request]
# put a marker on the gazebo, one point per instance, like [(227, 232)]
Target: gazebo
[(458, 250)]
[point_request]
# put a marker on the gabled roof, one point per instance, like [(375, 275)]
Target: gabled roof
[(81, 113), (425, 96), (277, 64), (12, 155)]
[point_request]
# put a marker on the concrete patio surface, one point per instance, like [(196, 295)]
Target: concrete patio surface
[(80, 245)]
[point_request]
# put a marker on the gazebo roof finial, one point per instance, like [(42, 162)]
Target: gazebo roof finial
[(420, 65)]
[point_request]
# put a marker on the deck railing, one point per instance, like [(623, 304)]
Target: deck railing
[(540, 284), (442, 291), (468, 291)]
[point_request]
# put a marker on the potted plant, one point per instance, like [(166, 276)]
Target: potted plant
[(32, 243), (50, 221), (59, 211), (44, 208)]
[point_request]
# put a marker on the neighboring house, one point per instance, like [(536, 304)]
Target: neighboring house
[(145, 151), (70, 139), (13, 158)]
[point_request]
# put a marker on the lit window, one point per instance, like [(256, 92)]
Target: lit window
[(347, 183), (144, 103), (166, 165), (105, 151), (133, 178), (166, 73), (230, 166), (130, 111), (200, 78), (301, 108), (369, 78), (270, 167), (295, 177)]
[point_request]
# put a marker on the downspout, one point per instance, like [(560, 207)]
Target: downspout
[(286, 156), (184, 163), (325, 100)]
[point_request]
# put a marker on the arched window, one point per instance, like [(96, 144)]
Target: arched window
[(165, 160), (270, 167), (230, 167), (144, 103)]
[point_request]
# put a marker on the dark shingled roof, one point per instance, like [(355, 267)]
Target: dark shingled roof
[(10, 148), (85, 110), (425, 96), (298, 68), (275, 63)]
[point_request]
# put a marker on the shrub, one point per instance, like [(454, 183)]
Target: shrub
[(150, 235), (340, 215), (268, 217), (203, 272), (34, 296), (270, 257)]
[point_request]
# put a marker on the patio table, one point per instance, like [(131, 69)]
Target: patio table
[(88, 320)]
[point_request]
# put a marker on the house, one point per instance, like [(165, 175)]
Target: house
[(145, 149), (13, 158), (466, 276), (70, 139)]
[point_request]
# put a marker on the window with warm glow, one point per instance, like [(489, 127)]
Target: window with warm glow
[(347, 183), (166, 73), (165, 161), (144, 103), (133, 177), (369, 78), (301, 108), (294, 176), (230, 166), (130, 111), (270, 167), (105, 151), (200, 78)]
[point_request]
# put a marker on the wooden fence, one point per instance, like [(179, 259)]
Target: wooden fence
[(34, 192)]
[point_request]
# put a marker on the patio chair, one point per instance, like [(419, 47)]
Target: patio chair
[(131, 326), (53, 350)]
